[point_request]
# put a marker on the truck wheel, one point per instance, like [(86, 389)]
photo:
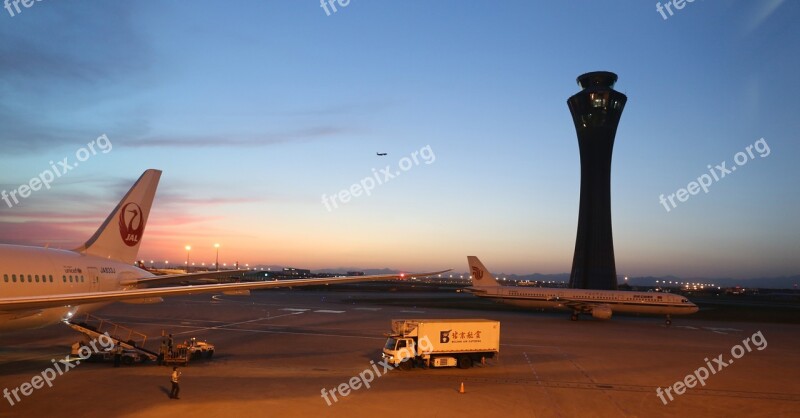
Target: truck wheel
[(127, 361), (464, 362), (210, 353), (406, 365)]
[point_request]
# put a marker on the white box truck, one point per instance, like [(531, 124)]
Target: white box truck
[(441, 342)]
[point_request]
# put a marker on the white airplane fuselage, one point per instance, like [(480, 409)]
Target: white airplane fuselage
[(34, 271), (653, 303)]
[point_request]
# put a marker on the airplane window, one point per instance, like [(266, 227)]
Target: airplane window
[(51, 278), (30, 280), (14, 278), (65, 278), (5, 278), (36, 278), (70, 278)]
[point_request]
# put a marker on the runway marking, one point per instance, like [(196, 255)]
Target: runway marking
[(722, 330), (539, 383), (716, 330), (314, 334), (530, 364), (530, 345), (328, 311), (295, 309), (597, 385), (412, 311), (368, 309), (237, 323)]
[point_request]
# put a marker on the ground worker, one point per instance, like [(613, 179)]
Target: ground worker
[(176, 388)]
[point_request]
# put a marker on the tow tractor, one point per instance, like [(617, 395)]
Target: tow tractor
[(199, 349)]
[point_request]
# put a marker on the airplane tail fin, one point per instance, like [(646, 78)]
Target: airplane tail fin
[(120, 235), (480, 274)]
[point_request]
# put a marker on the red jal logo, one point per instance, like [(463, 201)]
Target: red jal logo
[(477, 273), (131, 224)]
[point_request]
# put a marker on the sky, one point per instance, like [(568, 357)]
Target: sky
[(258, 112)]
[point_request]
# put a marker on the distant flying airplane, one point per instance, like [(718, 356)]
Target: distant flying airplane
[(599, 303), (381, 154), (43, 286)]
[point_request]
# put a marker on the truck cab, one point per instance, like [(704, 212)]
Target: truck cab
[(398, 349)]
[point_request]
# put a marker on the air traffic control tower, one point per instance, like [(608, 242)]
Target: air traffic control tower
[(595, 111)]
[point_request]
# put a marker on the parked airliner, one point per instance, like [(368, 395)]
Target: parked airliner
[(43, 286), (600, 304)]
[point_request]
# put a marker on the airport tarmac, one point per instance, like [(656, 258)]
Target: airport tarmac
[(277, 350)]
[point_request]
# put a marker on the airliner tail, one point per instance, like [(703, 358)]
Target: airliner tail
[(120, 235), (480, 274)]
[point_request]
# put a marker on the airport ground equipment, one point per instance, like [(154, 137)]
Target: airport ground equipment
[(179, 356), (127, 357), (93, 327), (199, 349), (441, 342)]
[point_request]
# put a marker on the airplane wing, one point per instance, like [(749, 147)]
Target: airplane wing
[(52, 301), (475, 290), (578, 305), (166, 278)]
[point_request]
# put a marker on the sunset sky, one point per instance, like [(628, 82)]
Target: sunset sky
[(255, 110)]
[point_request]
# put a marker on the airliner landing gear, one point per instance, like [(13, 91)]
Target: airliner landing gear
[(669, 321), (574, 316)]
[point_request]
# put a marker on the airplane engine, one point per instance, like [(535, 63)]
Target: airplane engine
[(601, 312)]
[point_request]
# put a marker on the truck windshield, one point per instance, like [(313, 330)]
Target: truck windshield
[(390, 343)]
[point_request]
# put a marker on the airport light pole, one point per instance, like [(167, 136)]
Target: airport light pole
[(216, 263), (188, 249)]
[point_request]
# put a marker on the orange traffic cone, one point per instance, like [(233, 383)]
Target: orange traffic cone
[(461, 390)]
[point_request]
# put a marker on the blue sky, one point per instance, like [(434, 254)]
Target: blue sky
[(254, 110)]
